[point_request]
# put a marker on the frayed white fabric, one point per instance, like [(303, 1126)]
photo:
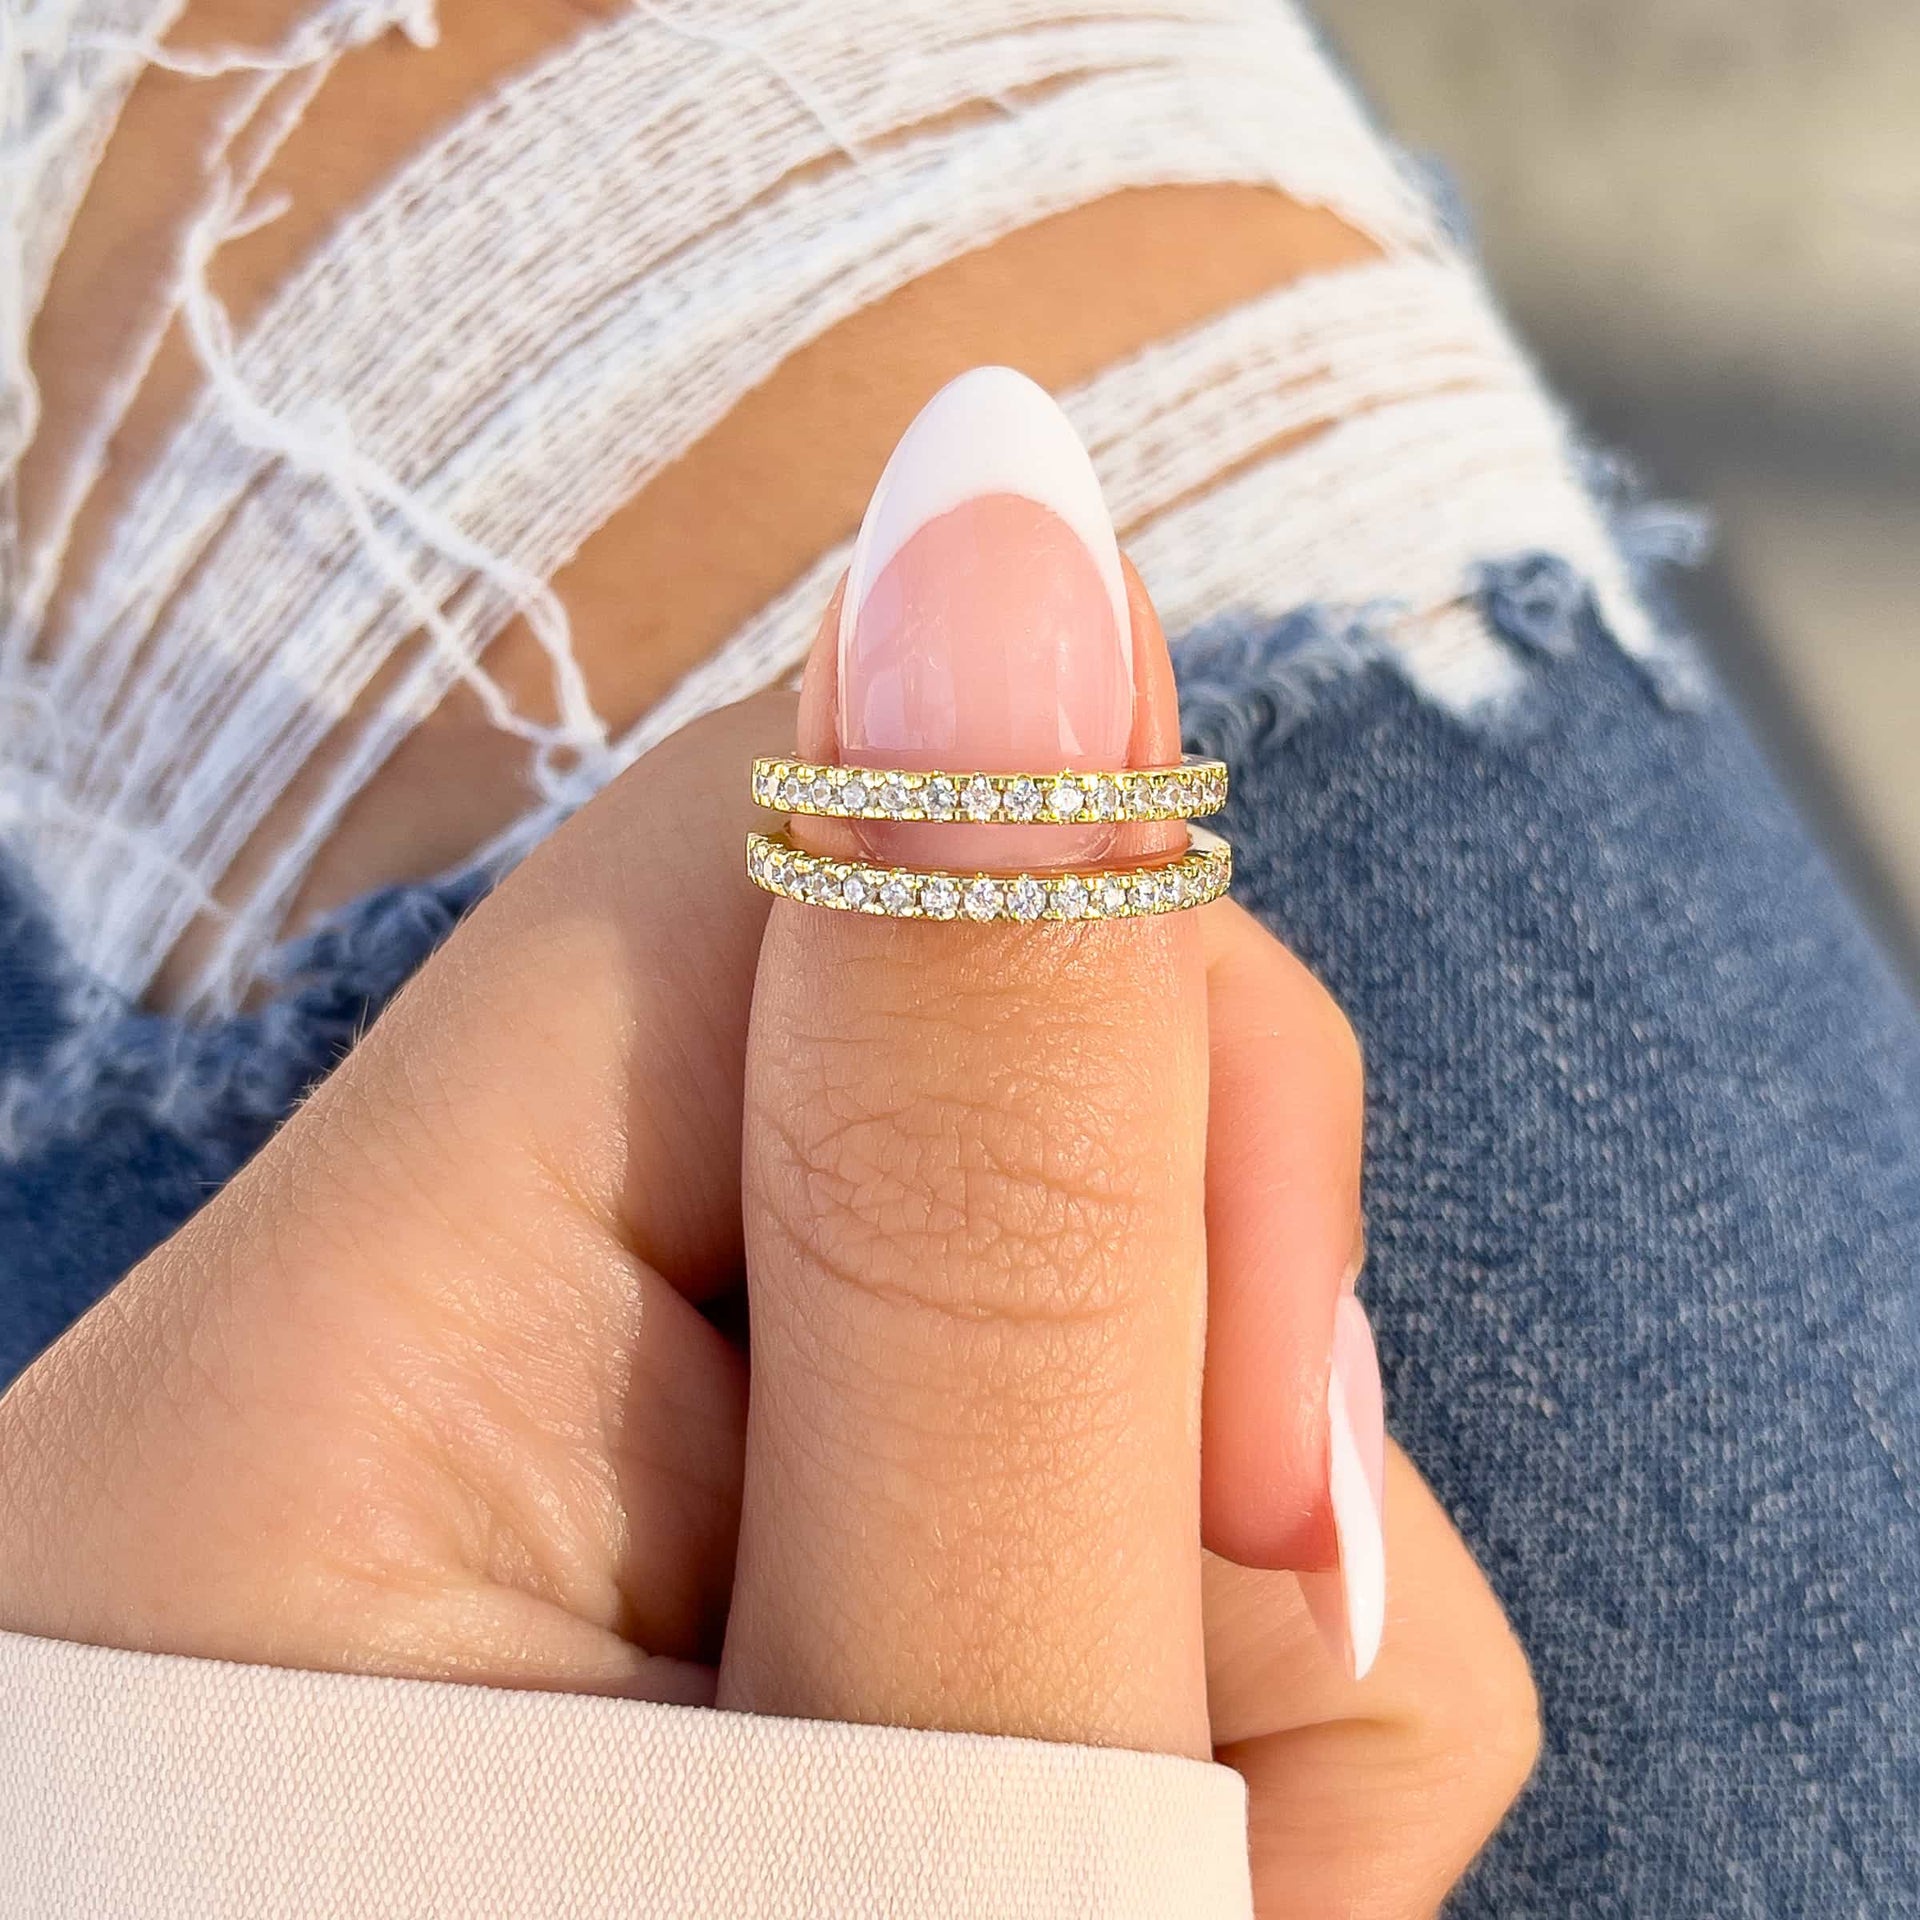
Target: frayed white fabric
[(153, 1788), (1362, 438), (559, 296), (66, 68)]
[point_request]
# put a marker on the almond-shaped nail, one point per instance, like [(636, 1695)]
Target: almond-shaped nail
[(984, 623), (1349, 1602)]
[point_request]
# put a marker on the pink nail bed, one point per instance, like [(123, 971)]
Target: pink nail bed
[(984, 624), (1349, 1602)]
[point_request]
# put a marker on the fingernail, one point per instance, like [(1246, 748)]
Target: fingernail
[(984, 624), (1349, 1602)]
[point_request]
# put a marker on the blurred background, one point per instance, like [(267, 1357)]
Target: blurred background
[(1705, 216)]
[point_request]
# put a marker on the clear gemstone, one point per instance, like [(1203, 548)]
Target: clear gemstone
[(1145, 893), (1105, 798), (1024, 799), (1026, 899), (821, 792), (942, 802), (853, 890), (939, 898), (1066, 799), (1173, 888), (792, 793), (896, 893), (983, 899), (1069, 898), (980, 798), (821, 887), (854, 795), (1113, 896), (896, 798)]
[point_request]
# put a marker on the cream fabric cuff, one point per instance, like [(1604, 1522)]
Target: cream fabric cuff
[(147, 1787)]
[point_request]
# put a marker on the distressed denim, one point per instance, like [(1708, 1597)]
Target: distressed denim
[(1643, 1205)]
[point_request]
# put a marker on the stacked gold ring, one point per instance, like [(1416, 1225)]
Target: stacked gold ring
[(1202, 873), (1196, 786), (1193, 788)]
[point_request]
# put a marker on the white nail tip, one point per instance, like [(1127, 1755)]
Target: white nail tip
[(1349, 1602), (990, 431), (1363, 1547)]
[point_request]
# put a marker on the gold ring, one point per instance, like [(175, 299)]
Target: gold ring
[(1200, 874), (1196, 786)]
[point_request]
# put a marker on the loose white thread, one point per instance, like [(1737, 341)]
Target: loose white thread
[(65, 69)]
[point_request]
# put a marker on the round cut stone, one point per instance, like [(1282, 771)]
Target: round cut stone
[(1104, 798), (941, 799), (1145, 893), (983, 899), (979, 798), (939, 898), (1066, 799), (1070, 897), (821, 792), (896, 798), (854, 795), (792, 793), (1026, 899), (853, 890), (1113, 896), (896, 893), (1024, 799)]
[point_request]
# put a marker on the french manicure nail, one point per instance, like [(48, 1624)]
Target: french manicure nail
[(984, 623), (1349, 1602)]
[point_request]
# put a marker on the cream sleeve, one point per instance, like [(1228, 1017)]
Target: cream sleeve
[(151, 1787)]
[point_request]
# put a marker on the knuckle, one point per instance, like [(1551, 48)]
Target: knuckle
[(1511, 1748), (991, 1151), (1335, 1035), (1491, 1736), (1006, 1204)]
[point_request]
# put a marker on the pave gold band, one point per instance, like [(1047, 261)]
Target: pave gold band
[(1200, 874), (1196, 786)]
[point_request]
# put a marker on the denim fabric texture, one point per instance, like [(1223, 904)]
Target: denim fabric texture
[(1643, 1205), (1643, 1208)]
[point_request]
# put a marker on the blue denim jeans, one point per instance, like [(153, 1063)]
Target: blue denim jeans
[(1643, 1204)]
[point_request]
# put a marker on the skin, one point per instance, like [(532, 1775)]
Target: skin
[(429, 1389)]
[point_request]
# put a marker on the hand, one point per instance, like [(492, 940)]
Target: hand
[(435, 1386)]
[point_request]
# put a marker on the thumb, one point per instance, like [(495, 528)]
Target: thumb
[(974, 1159)]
